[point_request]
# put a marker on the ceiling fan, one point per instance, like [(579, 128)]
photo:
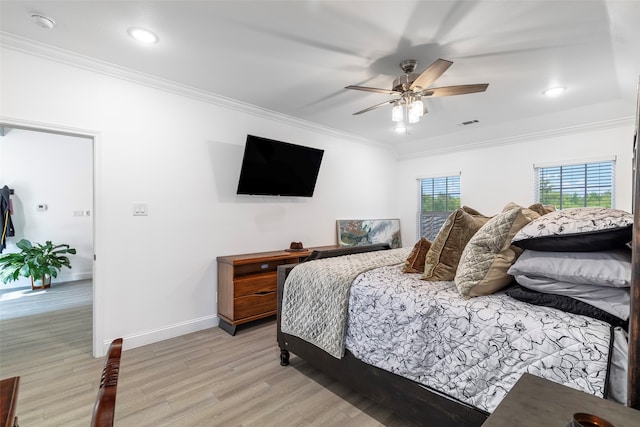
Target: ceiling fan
[(412, 87)]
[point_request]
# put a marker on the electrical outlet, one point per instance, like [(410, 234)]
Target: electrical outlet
[(78, 213), (140, 209)]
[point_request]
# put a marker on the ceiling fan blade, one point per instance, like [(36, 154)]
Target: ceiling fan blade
[(431, 74), (455, 90), (376, 106), (373, 89)]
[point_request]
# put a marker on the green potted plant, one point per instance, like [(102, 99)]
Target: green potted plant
[(38, 261)]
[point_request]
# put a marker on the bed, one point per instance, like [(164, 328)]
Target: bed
[(445, 352)]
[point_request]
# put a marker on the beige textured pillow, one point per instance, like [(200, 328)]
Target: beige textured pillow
[(471, 211), (442, 259), (415, 260), (541, 209), (489, 254)]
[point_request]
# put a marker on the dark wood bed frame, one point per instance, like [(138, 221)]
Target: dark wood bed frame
[(425, 406)]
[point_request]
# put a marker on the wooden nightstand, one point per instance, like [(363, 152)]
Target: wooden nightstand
[(534, 401), (247, 285)]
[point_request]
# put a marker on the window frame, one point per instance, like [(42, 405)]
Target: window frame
[(438, 217), (571, 170)]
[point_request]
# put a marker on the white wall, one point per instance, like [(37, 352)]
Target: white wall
[(493, 176), (55, 170), (155, 276)]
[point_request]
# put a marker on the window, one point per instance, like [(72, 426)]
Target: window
[(437, 198), (576, 185)]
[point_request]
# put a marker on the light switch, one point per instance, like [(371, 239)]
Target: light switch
[(140, 209)]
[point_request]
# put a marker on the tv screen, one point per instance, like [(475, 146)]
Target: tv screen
[(276, 168)]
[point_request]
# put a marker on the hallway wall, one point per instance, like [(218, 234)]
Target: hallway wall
[(55, 171)]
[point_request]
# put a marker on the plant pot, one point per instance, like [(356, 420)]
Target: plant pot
[(43, 282)]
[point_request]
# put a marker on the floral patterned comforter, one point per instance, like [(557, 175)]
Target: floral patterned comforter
[(473, 350)]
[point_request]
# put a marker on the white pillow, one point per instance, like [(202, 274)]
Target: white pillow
[(605, 268)]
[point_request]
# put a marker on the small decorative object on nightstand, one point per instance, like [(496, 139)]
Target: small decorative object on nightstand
[(296, 247), (580, 419)]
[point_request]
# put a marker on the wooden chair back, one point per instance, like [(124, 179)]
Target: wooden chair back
[(105, 406)]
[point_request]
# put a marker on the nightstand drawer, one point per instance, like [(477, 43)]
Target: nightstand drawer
[(258, 284), (263, 266), (252, 305)]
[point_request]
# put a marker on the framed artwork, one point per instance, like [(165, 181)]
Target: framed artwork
[(358, 232)]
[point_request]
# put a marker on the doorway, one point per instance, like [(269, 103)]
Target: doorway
[(51, 171)]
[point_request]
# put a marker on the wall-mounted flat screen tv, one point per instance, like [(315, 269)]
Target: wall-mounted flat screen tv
[(276, 168)]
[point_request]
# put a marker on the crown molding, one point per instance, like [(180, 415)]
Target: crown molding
[(534, 136), (42, 50)]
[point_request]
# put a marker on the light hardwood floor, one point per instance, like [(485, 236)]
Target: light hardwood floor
[(207, 378)]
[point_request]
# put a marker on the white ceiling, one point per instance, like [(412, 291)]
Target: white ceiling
[(296, 57)]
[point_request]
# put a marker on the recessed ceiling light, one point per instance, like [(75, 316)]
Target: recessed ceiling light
[(142, 35), (43, 21), (554, 91)]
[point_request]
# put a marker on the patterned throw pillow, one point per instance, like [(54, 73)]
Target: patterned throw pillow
[(443, 257), (415, 260), (577, 230), (489, 254)]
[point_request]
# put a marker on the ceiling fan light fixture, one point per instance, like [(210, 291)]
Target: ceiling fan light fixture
[(554, 91), (411, 88), (417, 107), (396, 112), (415, 111), (142, 35)]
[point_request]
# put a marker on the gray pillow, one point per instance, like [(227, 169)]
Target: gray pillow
[(605, 268), (612, 300)]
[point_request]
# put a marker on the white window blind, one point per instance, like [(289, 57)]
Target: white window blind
[(437, 198), (576, 185)]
